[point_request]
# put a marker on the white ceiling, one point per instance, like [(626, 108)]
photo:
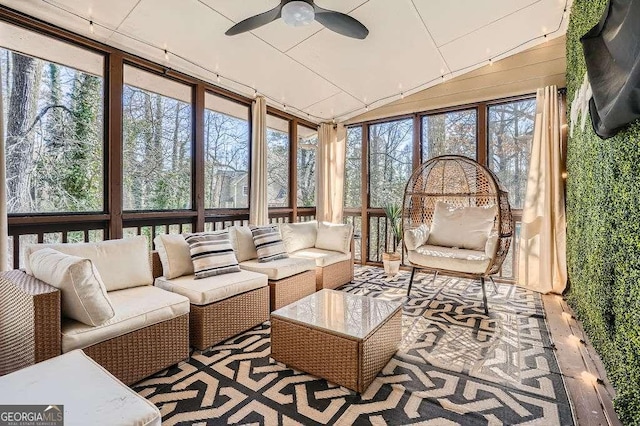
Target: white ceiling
[(315, 72)]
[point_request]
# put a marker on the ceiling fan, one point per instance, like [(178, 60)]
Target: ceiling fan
[(302, 12)]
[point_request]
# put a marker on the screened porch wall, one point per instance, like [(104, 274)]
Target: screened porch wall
[(108, 145)]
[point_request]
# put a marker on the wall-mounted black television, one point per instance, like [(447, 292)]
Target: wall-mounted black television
[(612, 53)]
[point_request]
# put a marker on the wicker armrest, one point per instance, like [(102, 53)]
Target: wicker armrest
[(29, 321), (156, 264)]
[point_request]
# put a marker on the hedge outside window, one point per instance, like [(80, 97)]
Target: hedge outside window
[(510, 129), (390, 164), (307, 157), (157, 142), (54, 106), (449, 133), (227, 139), (353, 168), (278, 147)]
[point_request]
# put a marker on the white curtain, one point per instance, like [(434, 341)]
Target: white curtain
[(542, 257), (4, 232), (258, 207), (330, 163)]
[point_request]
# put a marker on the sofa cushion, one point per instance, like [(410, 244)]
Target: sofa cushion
[(452, 259), (414, 238), (82, 292), (268, 241), (89, 393), (334, 237), (322, 257), (280, 268), (461, 227), (135, 308), (298, 236), (121, 263), (212, 254), (174, 254), (242, 242), (213, 289)]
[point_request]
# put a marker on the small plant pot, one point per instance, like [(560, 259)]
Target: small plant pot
[(391, 263)]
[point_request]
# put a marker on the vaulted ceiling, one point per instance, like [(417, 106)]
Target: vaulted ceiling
[(315, 72)]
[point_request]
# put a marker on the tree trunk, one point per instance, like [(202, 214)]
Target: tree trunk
[(25, 82)]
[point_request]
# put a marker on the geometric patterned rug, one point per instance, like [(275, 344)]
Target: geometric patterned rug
[(455, 366)]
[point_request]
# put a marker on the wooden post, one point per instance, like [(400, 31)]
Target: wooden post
[(113, 154), (198, 163), (293, 169), (364, 193)]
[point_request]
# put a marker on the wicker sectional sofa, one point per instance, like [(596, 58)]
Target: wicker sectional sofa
[(330, 246), (148, 333), (289, 279)]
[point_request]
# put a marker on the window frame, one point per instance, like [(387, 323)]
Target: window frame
[(367, 213)]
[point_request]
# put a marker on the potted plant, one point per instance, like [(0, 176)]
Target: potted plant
[(391, 259)]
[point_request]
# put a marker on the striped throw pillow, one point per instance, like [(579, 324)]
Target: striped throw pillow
[(268, 243), (212, 254)]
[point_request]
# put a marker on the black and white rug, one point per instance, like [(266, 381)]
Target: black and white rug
[(455, 366)]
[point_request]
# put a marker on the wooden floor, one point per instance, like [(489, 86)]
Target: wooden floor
[(589, 390)]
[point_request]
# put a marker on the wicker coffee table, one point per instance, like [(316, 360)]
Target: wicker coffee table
[(343, 338)]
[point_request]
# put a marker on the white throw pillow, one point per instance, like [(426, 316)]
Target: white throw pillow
[(174, 255), (461, 227), (83, 294), (121, 263), (242, 242), (298, 236), (335, 237), (416, 237)]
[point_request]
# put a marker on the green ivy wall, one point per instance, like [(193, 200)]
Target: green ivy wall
[(603, 215)]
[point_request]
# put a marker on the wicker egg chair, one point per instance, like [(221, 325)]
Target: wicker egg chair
[(460, 182)]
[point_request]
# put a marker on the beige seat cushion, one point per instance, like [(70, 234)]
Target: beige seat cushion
[(334, 236), (298, 236), (82, 292), (242, 241), (121, 263), (414, 238), (461, 227), (135, 308), (89, 393), (174, 254), (280, 268), (452, 259), (213, 289), (322, 257)]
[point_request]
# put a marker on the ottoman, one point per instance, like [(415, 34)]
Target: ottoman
[(82, 390), (338, 336)]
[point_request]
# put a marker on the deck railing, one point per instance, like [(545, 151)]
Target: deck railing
[(74, 228)]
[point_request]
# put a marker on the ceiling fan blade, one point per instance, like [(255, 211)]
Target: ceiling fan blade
[(341, 23), (256, 21)]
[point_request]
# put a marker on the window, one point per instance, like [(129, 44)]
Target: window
[(53, 105), (227, 139), (307, 155), (510, 134), (277, 162), (157, 142), (353, 168), (390, 165), (452, 133)]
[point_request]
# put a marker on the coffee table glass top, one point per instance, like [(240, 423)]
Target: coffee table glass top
[(340, 312)]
